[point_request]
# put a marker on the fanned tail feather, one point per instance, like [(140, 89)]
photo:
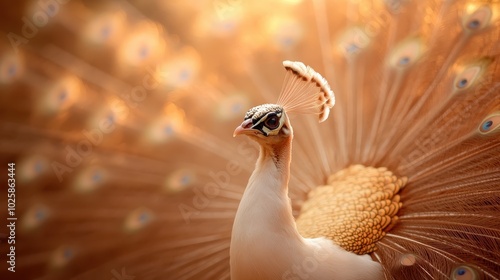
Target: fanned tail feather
[(119, 118)]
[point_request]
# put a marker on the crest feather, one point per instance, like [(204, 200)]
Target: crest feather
[(305, 91)]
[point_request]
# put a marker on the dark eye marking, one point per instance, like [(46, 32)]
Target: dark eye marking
[(272, 121)]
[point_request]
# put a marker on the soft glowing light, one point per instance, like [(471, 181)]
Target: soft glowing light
[(167, 126), (62, 256), (353, 41), (182, 69), (144, 44), (109, 116), (408, 259), (232, 106), (292, 2), (469, 74), (223, 20), (35, 217), (61, 95), (89, 179), (41, 14), (105, 29), (179, 180), (406, 53), (138, 219), (477, 17), (284, 31), (11, 67), (32, 167)]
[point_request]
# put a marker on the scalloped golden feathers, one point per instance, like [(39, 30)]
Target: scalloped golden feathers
[(355, 209)]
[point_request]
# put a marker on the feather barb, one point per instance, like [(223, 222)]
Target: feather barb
[(305, 91)]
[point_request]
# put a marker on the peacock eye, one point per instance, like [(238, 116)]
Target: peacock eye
[(490, 125), (487, 125), (464, 272), (272, 122)]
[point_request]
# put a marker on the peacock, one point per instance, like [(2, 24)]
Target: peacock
[(264, 252), (117, 121)]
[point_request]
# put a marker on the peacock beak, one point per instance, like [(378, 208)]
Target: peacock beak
[(244, 128)]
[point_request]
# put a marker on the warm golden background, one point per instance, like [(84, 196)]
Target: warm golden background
[(119, 113)]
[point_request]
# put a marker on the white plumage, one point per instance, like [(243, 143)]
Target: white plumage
[(265, 243)]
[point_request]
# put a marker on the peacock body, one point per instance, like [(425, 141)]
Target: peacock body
[(119, 119)]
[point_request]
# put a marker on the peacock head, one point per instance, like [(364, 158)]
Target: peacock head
[(267, 122), (304, 91)]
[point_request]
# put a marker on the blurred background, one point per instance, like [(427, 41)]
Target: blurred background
[(119, 114), (111, 109)]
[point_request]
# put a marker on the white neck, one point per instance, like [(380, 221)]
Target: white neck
[(265, 243), (264, 230), (265, 200)]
